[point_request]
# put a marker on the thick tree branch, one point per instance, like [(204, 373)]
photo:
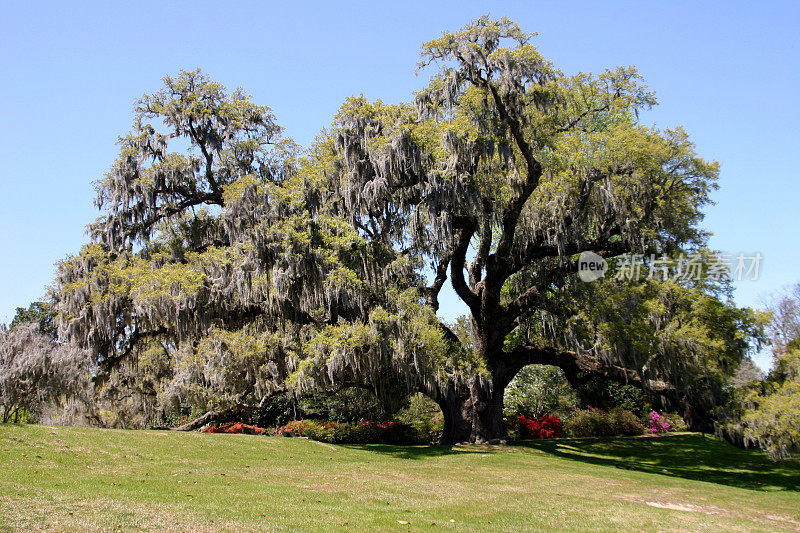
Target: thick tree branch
[(571, 124), (112, 360), (484, 248), (534, 172), (432, 291), (575, 364), (201, 141), (457, 264)]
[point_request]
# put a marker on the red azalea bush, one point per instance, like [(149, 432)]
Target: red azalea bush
[(540, 427), (234, 427)]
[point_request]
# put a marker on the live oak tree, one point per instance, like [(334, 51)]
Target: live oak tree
[(240, 266), (215, 280), (500, 173)]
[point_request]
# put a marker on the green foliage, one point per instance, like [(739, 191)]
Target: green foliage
[(424, 415), (616, 422), (773, 421), (766, 412), (39, 312), (275, 411), (538, 390), (364, 432), (17, 415), (675, 421), (346, 406), (604, 394)]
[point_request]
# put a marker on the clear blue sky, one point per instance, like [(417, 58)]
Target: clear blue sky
[(729, 72)]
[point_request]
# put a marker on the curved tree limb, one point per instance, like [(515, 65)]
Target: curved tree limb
[(457, 265)]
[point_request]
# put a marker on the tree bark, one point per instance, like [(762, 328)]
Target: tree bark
[(457, 427), (207, 418), (473, 411), (484, 409), (474, 414)]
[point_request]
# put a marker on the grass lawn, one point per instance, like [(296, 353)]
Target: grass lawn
[(60, 478)]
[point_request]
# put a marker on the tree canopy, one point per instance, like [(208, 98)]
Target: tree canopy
[(230, 264)]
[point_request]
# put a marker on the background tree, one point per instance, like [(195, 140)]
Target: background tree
[(35, 370), (539, 390), (766, 413), (39, 312)]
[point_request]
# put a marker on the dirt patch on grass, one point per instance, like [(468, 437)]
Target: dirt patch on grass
[(753, 515)]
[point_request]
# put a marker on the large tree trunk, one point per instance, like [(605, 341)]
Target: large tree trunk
[(473, 413), (484, 409), (457, 427), (473, 410)]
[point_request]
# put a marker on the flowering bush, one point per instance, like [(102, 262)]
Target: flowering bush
[(364, 432), (657, 423), (540, 427), (598, 423), (234, 427), (676, 421)]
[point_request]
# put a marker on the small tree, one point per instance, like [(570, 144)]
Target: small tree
[(774, 421), (35, 370), (771, 418)]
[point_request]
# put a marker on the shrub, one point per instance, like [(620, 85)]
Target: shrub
[(344, 406), (274, 411), (598, 423), (427, 430), (608, 395), (657, 423), (676, 422), (234, 427), (364, 432), (425, 416), (541, 427)]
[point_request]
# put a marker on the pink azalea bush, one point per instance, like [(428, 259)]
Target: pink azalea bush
[(658, 423)]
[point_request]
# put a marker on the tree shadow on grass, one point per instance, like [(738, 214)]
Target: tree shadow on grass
[(407, 452), (696, 457)]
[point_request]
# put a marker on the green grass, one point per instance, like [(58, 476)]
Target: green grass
[(62, 478)]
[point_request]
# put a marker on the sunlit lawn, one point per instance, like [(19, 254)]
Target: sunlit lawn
[(76, 479)]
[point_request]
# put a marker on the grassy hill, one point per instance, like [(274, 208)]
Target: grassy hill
[(62, 478)]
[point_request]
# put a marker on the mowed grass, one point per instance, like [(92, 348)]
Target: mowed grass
[(60, 478)]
